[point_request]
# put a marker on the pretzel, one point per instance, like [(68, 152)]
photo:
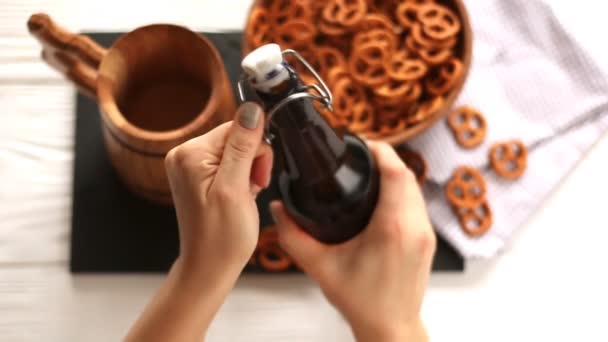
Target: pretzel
[(295, 34), (273, 259), (387, 112), (435, 56), (391, 127), (347, 93), (300, 69), (431, 55), (412, 45), (283, 11), (395, 91), (403, 68), (439, 21), (441, 32), (475, 221), (509, 159), (367, 64), (305, 76), (433, 105), (258, 28), (466, 188), (374, 21), (410, 112), (414, 162), (362, 118), (341, 43), (431, 11), (414, 93), (379, 6), (398, 93), (426, 42), (331, 28), (449, 74), (346, 13), (316, 7), (334, 74), (269, 254), (418, 2), (323, 60), (468, 126), (425, 110), (452, 68), (328, 58), (386, 38), (407, 14)]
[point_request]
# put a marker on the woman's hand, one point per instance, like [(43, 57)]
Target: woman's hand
[(376, 280), (214, 181)]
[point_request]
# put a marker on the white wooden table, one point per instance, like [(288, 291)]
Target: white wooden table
[(549, 285)]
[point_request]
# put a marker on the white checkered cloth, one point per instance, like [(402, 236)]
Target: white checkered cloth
[(532, 81)]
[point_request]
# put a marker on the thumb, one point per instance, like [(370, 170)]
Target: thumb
[(307, 252), (242, 143)]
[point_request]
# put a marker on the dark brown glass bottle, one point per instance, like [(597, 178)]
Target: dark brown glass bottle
[(327, 179)]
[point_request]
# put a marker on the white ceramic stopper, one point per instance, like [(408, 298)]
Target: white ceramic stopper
[(264, 66)]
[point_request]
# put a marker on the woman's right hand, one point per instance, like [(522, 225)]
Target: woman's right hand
[(376, 280)]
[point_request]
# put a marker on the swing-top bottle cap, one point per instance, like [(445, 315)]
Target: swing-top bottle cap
[(262, 60), (265, 66)]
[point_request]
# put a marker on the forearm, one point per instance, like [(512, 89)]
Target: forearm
[(184, 306)]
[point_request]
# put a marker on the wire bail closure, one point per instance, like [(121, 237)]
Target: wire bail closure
[(323, 93)]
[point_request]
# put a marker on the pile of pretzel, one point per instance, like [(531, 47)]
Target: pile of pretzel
[(389, 63)]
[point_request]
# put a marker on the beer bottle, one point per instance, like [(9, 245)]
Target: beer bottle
[(327, 178)]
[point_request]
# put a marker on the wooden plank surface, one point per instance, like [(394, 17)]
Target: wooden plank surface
[(36, 137)]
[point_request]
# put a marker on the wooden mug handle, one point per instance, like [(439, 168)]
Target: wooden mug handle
[(74, 55)]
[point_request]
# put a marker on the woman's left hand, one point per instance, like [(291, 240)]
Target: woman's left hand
[(214, 180)]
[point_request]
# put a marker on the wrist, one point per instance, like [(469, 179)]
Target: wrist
[(206, 278), (204, 266), (397, 332)]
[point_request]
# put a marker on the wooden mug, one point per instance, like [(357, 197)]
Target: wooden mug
[(157, 87)]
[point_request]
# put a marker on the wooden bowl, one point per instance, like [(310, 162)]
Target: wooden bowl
[(463, 50)]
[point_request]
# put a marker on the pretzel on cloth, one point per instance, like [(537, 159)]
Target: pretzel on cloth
[(466, 188), (509, 159), (468, 126)]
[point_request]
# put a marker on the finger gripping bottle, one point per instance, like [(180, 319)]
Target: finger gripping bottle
[(327, 178)]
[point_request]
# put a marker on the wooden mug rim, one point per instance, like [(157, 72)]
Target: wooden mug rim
[(130, 134)]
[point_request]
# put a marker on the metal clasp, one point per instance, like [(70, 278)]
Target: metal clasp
[(323, 95)]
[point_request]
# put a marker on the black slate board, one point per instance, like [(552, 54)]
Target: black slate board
[(115, 231)]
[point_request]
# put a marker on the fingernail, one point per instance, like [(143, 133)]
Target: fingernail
[(249, 115)]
